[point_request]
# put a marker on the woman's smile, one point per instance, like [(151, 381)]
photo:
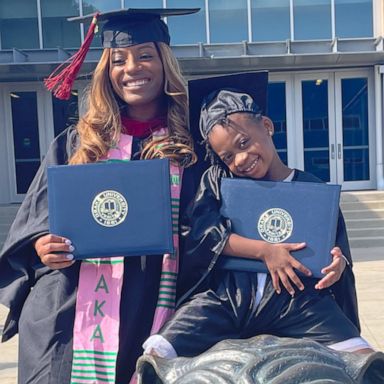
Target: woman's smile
[(136, 83)]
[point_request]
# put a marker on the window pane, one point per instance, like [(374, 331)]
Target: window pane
[(17, 16), (312, 19), (92, 6), (354, 18), (277, 113), (228, 21), (25, 138), (316, 127), (65, 112), (187, 29), (270, 20), (355, 128), (57, 31), (148, 4)]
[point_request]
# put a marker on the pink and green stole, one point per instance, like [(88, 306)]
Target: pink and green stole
[(97, 318)]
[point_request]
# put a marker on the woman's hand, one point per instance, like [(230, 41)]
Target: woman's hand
[(54, 251), (281, 265), (333, 271)]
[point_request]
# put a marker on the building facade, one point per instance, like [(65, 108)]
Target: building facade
[(325, 58)]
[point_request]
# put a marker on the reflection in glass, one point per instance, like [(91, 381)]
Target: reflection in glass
[(194, 24), (17, 16), (25, 138), (92, 6), (151, 4), (270, 20), (228, 21), (65, 112), (277, 113), (57, 31), (312, 19), (315, 127), (354, 18), (355, 128)]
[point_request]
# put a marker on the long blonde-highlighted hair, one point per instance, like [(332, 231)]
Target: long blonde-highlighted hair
[(100, 128)]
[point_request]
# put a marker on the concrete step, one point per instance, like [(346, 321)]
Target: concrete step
[(364, 217), (365, 232), (7, 214), (367, 242), (365, 223), (363, 214), (361, 205), (9, 209), (4, 224), (361, 196), (3, 236)]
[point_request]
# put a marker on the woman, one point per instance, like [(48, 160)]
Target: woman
[(136, 91)]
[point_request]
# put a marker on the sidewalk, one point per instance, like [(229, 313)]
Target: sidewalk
[(369, 271)]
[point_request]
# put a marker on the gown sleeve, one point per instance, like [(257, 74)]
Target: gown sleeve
[(344, 290), (20, 266), (204, 231)]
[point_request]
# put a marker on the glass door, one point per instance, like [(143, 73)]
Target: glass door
[(277, 109), (316, 124), (33, 117), (355, 145), (24, 118), (334, 117)]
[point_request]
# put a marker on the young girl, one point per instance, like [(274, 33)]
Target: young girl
[(244, 304), (136, 109)]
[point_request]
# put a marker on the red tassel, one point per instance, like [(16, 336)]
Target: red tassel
[(60, 83)]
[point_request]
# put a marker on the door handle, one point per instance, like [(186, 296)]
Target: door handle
[(332, 151), (339, 151)]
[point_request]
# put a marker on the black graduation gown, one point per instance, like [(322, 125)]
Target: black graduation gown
[(205, 233), (44, 315)]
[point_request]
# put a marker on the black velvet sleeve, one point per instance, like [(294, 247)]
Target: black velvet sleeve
[(19, 264), (204, 232)]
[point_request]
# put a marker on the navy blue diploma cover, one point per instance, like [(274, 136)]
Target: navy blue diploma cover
[(120, 208), (279, 212)]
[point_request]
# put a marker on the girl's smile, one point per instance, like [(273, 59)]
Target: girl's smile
[(252, 166)]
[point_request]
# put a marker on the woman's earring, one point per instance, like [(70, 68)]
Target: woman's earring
[(270, 133)]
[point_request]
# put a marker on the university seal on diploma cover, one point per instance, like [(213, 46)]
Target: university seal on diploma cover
[(275, 225), (109, 208)]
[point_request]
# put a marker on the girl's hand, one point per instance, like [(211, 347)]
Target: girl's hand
[(54, 251), (333, 271), (281, 265)]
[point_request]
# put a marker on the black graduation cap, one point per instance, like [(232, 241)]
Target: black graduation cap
[(119, 29), (212, 99), (131, 26)]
